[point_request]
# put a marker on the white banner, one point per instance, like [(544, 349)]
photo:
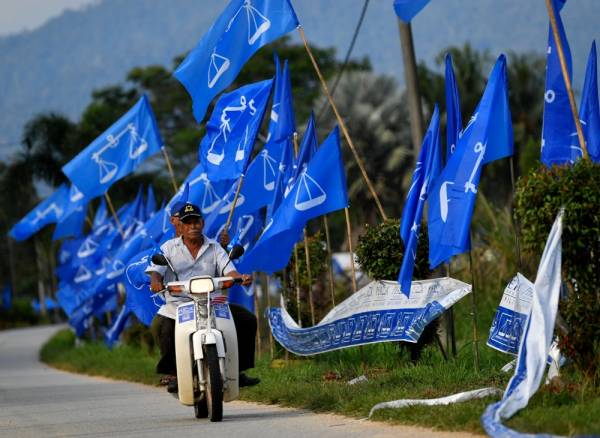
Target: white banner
[(378, 312)]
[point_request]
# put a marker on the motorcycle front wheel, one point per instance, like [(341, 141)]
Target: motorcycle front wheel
[(214, 383)]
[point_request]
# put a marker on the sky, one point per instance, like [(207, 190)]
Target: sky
[(19, 15)]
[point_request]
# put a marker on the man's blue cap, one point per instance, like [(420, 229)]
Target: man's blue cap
[(189, 210)]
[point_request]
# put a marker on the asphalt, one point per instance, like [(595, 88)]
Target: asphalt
[(39, 401)]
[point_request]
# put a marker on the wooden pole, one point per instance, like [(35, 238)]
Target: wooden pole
[(329, 260), (412, 85), (268, 293), (342, 125), (309, 275), (257, 314), (474, 313), (297, 282), (114, 213), (234, 203), (349, 232), (40, 277), (166, 155), (565, 74)]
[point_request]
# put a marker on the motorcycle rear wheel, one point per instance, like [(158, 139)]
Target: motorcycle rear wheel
[(214, 384)]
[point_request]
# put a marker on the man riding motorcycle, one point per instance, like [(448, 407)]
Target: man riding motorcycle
[(193, 254)]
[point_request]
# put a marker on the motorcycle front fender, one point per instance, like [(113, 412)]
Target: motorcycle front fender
[(207, 337)]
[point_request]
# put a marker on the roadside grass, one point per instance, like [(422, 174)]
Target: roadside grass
[(320, 384), (123, 362)]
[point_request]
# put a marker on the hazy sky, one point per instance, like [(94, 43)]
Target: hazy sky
[(17, 15)]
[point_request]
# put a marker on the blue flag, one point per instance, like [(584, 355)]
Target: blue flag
[(284, 172), (150, 202), (6, 297), (407, 9), (319, 189), (452, 197), (261, 176), (101, 216), (49, 211), (427, 169), (589, 110), (117, 152), (308, 147), (559, 136), (71, 223), (139, 299), (112, 334), (232, 129), (243, 28), (453, 115)]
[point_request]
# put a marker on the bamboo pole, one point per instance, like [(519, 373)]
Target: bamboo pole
[(349, 232), (474, 313), (257, 314), (329, 260), (309, 275), (297, 282), (114, 213), (166, 155), (565, 74), (268, 293), (451, 335), (342, 125), (234, 202)]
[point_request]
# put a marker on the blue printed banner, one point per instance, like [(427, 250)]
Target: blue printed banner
[(511, 316), (379, 312)]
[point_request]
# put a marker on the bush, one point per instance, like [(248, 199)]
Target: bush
[(539, 197), (380, 250)]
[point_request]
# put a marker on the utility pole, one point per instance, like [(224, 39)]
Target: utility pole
[(412, 85)]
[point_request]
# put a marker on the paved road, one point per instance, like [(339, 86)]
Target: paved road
[(38, 401)]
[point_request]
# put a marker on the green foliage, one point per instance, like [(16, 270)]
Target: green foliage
[(539, 197), (380, 250), (21, 314)]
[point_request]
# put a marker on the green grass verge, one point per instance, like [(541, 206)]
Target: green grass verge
[(319, 384)]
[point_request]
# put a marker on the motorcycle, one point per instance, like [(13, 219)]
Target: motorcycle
[(206, 349)]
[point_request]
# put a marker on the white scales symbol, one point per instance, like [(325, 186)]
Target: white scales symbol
[(312, 193), (215, 157), (87, 248), (103, 265), (75, 194), (137, 146), (83, 274), (269, 164), (210, 198), (39, 215), (257, 25)]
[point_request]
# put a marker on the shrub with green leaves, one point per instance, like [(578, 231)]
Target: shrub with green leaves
[(380, 250), (539, 197)]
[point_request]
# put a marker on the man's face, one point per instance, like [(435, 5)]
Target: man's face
[(192, 228), (177, 225)]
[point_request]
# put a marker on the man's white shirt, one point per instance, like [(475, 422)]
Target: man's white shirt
[(210, 260)]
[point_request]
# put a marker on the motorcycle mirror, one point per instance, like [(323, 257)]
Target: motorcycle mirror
[(236, 252), (159, 259)]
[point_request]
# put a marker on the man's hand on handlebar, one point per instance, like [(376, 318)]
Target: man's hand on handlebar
[(246, 279), (156, 282)]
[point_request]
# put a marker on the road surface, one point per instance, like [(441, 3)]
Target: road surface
[(39, 401)]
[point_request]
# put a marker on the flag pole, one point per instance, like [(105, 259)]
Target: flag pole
[(329, 260), (114, 213), (349, 232), (234, 203), (297, 281), (342, 124), (166, 155), (565, 74), (450, 323), (474, 313), (257, 315), (306, 251), (267, 291)]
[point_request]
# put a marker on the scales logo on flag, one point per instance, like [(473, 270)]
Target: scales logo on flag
[(41, 215), (309, 193), (137, 146)]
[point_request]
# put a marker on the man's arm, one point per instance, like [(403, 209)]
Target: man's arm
[(156, 282)]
